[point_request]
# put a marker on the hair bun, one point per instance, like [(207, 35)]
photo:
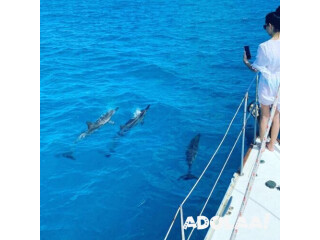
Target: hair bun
[(277, 12)]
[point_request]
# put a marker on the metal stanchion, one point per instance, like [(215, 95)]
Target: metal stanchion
[(182, 229), (256, 115), (244, 131)]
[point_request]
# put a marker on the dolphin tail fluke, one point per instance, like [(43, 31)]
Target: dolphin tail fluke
[(82, 136), (107, 155), (188, 177), (120, 133), (147, 107), (111, 151), (68, 155), (116, 109)]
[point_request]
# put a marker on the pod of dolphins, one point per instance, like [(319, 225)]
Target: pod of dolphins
[(191, 152), (106, 118)]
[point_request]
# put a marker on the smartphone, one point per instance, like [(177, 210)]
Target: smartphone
[(247, 50)]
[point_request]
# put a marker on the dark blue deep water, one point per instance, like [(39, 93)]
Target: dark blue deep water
[(184, 58)]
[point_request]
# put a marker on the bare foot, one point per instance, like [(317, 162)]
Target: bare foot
[(270, 147)]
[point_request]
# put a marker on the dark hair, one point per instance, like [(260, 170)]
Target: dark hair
[(274, 19), (278, 11)]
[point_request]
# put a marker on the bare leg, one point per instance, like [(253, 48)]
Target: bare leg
[(274, 130), (265, 114)]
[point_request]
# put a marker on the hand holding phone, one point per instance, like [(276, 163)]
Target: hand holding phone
[(247, 50)]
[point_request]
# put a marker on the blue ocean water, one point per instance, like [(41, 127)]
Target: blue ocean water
[(184, 58)]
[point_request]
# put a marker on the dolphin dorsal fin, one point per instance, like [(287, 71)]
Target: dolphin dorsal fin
[(89, 124)]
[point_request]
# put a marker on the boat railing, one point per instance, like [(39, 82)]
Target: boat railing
[(253, 173), (242, 132)]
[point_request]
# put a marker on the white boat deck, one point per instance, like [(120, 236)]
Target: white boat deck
[(261, 217)]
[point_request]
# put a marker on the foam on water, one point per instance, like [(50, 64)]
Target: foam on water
[(137, 112)]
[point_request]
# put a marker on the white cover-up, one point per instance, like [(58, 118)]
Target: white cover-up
[(268, 63)]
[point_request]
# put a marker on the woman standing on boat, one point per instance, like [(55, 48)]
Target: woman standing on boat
[(268, 64)]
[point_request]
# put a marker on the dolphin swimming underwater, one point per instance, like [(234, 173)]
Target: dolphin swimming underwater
[(66, 155), (191, 155), (133, 121), (106, 118)]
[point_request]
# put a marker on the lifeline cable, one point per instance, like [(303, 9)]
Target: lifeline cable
[(185, 199), (256, 166)]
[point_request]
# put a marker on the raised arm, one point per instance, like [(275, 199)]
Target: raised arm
[(248, 64)]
